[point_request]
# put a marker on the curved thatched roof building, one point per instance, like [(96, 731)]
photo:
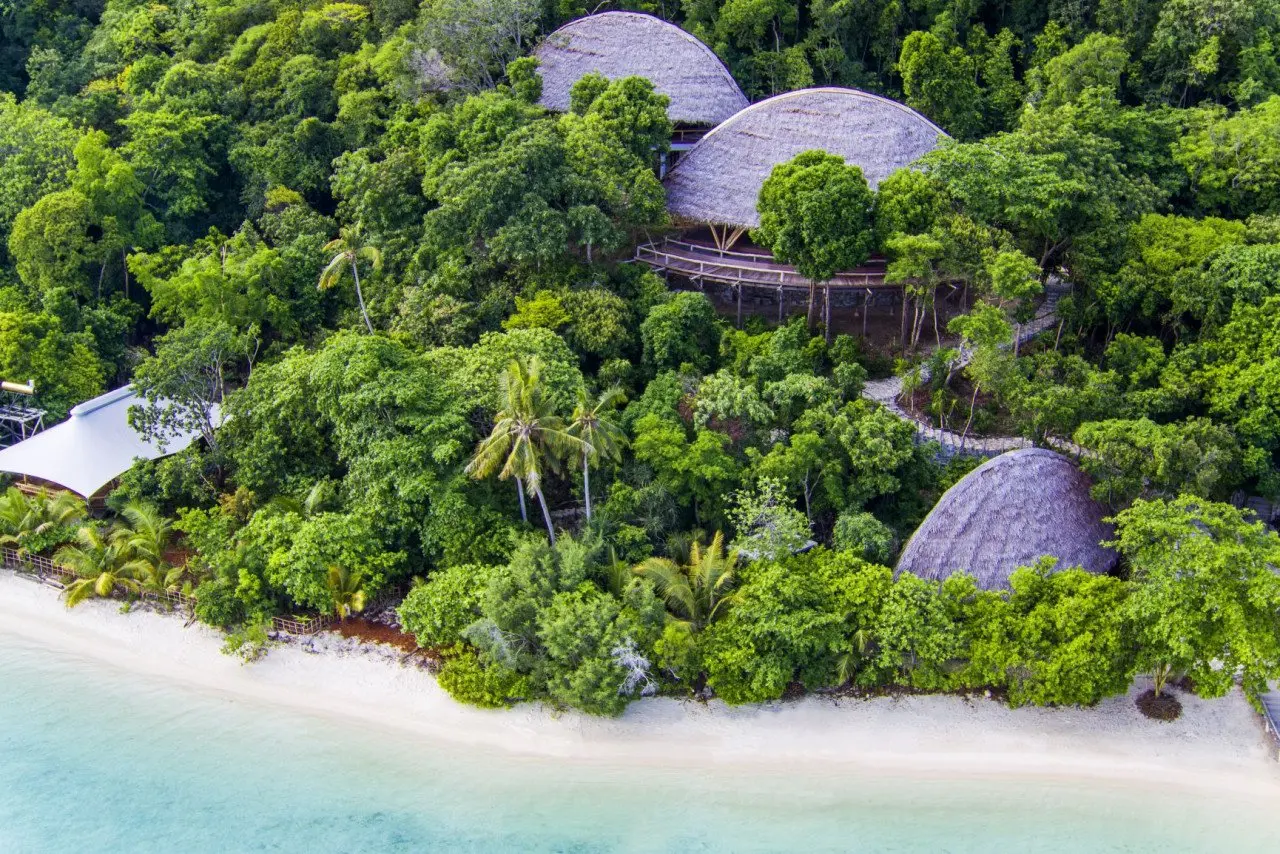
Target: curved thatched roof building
[(719, 179), (1007, 513), (629, 44)]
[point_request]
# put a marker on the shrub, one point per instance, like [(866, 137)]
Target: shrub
[(468, 680), (865, 536), (792, 620), (438, 611), (217, 604)]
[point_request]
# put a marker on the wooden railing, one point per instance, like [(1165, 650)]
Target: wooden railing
[(704, 249), (765, 273), (688, 136), (758, 257)]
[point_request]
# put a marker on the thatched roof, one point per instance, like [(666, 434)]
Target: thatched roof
[(628, 44), (719, 179), (1007, 513)]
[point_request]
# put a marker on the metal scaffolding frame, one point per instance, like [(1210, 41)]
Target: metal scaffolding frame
[(19, 418)]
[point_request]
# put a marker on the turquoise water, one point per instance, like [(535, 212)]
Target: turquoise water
[(94, 759)]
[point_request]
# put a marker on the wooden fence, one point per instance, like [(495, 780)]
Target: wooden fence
[(301, 625), (310, 624), (33, 564)]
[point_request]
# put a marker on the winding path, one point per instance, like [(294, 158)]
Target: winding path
[(887, 392)]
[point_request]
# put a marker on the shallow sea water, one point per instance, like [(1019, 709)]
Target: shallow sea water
[(94, 759)]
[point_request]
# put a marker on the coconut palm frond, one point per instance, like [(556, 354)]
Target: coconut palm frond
[(371, 254), (347, 590), (104, 584), (671, 583), (317, 496), (333, 271), (698, 589), (78, 591)]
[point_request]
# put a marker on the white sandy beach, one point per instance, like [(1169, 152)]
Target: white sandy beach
[(1216, 744)]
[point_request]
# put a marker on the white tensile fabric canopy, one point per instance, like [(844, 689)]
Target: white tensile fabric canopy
[(91, 448)]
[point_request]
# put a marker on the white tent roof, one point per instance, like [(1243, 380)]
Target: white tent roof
[(91, 448)]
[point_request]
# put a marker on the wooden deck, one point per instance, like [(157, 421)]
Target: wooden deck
[(700, 262), (685, 136)]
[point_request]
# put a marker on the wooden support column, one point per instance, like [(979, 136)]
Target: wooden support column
[(866, 307), (826, 306), (782, 298), (739, 287)]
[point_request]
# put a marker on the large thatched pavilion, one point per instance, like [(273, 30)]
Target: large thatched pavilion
[(1009, 512), (719, 180), (713, 189), (628, 44)]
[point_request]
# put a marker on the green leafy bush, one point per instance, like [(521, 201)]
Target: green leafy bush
[(471, 681), (437, 612), (865, 536), (218, 605)]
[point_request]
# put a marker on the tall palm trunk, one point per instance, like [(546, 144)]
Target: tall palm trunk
[(586, 484), (546, 515), (355, 273), (524, 513)]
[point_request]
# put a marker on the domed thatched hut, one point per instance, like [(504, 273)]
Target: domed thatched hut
[(718, 181), (1009, 512), (625, 44), (715, 186)]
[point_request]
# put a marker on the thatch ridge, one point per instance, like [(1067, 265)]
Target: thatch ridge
[(718, 181), (625, 44), (1009, 512)]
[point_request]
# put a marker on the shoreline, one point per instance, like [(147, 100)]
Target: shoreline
[(1217, 745)]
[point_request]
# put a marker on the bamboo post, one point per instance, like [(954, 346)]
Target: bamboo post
[(826, 307)]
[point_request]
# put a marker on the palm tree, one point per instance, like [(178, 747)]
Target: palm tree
[(147, 535), (527, 437), (347, 589), (101, 564), (143, 540), (601, 437), (696, 591), (351, 249), (25, 516), (157, 578), (848, 663)]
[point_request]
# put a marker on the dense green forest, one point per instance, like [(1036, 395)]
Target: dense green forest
[(350, 225)]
